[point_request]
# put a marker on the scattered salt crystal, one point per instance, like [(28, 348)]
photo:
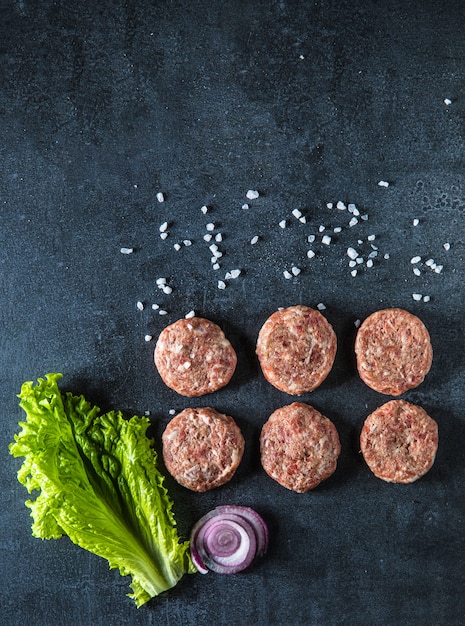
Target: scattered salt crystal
[(321, 228), (447, 101), (287, 274), (352, 253), (235, 273), (320, 306), (446, 246), (228, 275), (416, 271), (371, 237), (282, 224), (296, 213), (162, 312), (326, 239), (163, 235), (383, 183), (187, 242), (353, 273), (357, 323), (189, 315), (213, 247), (351, 207), (370, 263), (160, 197), (161, 281), (303, 219), (415, 259), (155, 307), (219, 237), (387, 256), (252, 195), (311, 238), (245, 207), (341, 206), (218, 254), (353, 222), (352, 263), (140, 305), (359, 260), (429, 262), (364, 217), (126, 250), (186, 365), (171, 411), (147, 413), (204, 209), (216, 266), (177, 246), (417, 297), (210, 226), (207, 237), (438, 269), (163, 227), (416, 222), (254, 240), (360, 241), (167, 290), (338, 229), (329, 205), (373, 254), (310, 254), (373, 247), (426, 298), (295, 270), (213, 260), (221, 284), (148, 337)]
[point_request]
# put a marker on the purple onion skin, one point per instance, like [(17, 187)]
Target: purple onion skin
[(251, 523)]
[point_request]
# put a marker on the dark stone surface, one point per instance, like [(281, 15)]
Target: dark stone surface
[(104, 104)]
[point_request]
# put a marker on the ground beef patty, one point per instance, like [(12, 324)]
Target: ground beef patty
[(399, 442), (393, 350), (202, 448), (296, 347), (299, 447), (194, 358)]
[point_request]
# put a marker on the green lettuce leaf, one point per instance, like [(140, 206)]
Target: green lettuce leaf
[(99, 484)]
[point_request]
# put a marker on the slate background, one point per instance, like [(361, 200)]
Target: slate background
[(104, 104)]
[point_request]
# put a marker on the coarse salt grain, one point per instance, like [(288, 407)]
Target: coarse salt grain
[(446, 246), (216, 266), (326, 239), (383, 183), (353, 273), (353, 222), (207, 237), (387, 256), (357, 323), (177, 246), (329, 205), (426, 298), (341, 206), (163, 227), (252, 194), (310, 254), (162, 312), (321, 228), (371, 237), (352, 253), (295, 270), (189, 315), (415, 222), (359, 260), (417, 297), (254, 240), (311, 238), (364, 217), (148, 337), (303, 219), (213, 247), (161, 281), (416, 271), (296, 213), (163, 235), (155, 307), (140, 305), (171, 411), (447, 101), (338, 229), (429, 262), (415, 259), (126, 250), (219, 237), (352, 263), (282, 224), (245, 207), (320, 306), (204, 209), (235, 273), (187, 242), (160, 197), (221, 284), (167, 290), (370, 263), (373, 254), (287, 274), (210, 226), (438, 269)]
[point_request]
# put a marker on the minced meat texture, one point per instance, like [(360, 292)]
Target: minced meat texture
[(296, 348), (193, 357), (393, 351), (399, 442), (299, 447), (202, 448)]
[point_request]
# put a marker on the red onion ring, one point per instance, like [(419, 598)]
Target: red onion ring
[(227, 539)]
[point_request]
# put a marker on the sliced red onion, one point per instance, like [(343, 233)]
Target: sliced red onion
[(227, 539)]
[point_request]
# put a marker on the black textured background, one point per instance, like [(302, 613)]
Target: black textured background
[(102, 105)]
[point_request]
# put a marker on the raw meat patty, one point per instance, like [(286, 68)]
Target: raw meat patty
[(194, 358), (202, 448), (299, 447), (393, 350), (399, 442), (296, 348)]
